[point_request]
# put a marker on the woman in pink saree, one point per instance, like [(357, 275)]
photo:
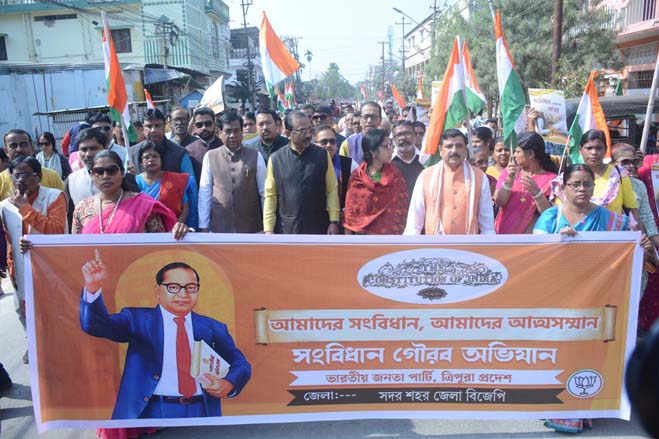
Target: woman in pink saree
[(524, 186), (117, 209)]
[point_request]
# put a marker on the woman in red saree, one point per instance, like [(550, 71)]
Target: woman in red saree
[(377, 197), (118, 210)]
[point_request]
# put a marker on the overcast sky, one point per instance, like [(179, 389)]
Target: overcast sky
[(342, 31)]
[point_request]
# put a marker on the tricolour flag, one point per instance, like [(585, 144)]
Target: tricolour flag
[(363, 91), (400, 100), (419, 87), (276, 61), (289, 94), (589, 116), (149, 102), (511, 94), (449, 108), (114, 79), (281, 100), (475, 98)]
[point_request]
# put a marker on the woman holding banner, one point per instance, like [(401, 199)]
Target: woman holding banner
[(524, 186), (377, 198)]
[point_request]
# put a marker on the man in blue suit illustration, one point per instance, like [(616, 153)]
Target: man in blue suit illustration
[(156, 381)]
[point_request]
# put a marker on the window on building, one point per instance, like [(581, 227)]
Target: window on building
[(412, 42), (215, 41), (646, 54), (121, 38), (640, 79), (3, 49), (422, 35)]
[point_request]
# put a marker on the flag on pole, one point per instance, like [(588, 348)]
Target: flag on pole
[(619, 88), (289, 94), (475, 98), (149, 102), (449, 108), (114, 80), (589, 116), (281, 99), (511, 93), (294, 101), (400, 100), (213, 97), (419, 87), (276, 60), (363, 90)]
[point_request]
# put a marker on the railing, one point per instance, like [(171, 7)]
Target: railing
[(178, 54), (638, 11)]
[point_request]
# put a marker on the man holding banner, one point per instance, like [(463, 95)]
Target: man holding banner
[(451, 197), (156, 381)]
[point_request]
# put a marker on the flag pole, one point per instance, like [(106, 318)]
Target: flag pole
[(649, 110), (464, 96), (567, 146)]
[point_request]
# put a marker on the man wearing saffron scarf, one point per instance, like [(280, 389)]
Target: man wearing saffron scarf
[(451, 197)]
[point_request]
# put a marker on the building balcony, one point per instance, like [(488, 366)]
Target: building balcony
[(23, 6), (639, 19), (217, 8), (177, 56)]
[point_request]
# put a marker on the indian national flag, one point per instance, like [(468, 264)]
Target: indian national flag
[(419, 87), (276, 60), (281, 100), (363, 91), (475, 98), (149, 101), (114, 78), (400, 100), (289, 94), (589, 116), (449, 108), (511, 93)]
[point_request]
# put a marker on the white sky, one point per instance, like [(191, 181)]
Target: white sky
[(342, 31)]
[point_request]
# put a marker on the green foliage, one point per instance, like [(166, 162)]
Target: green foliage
[(332, 85), (588, 43)]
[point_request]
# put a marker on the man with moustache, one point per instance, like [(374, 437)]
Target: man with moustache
[(451, 197), (232, 181), (322, 115), (203, 120), (406, 157), (269, 138), (370, 119), (174, 159), (19, 142), (180, 122), (301, 191)]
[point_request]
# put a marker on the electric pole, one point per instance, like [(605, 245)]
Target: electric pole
[(168, 31), (292, 45), (402, 23), (383, 89), (556, 48), (245, 4)]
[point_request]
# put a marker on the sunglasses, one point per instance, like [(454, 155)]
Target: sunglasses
[(207, 124), (104, 128), (325, 142), (99, 171)]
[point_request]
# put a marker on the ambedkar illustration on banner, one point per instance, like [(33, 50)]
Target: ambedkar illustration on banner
[(551, 123), (240, 329)]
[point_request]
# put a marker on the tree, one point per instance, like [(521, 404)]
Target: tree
[(588, 43), (238, 91), (333, 85)]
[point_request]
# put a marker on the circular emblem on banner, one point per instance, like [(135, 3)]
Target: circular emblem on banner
[(584, 383), (431, 276)]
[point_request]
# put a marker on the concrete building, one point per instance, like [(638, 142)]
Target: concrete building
[(244, 44)]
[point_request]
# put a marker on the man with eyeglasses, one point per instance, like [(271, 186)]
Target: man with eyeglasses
[(370, 119), (406, 157), (203, 122), (156, 381), (301, 190), (180, 122), (174, 159), (325, 137), (232, 181), (19, 142), (269, 138), (103, 122), (322, 115)]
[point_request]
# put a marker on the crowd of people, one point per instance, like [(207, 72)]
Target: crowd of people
[(313, 171)]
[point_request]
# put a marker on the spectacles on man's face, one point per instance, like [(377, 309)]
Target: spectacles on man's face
[(23, 175), (326, 142), (99, 171), (303, 131), (630, 162), (206, 123), (581, 184), (402, 134), (319, 116), (104, 127), (174, 288)]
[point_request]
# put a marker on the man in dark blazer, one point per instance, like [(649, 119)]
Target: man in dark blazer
[(156, 381)]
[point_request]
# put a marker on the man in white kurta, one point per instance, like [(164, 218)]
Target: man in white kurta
[(451, 197)]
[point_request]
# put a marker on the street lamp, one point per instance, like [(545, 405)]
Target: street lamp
[(403, 13)]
